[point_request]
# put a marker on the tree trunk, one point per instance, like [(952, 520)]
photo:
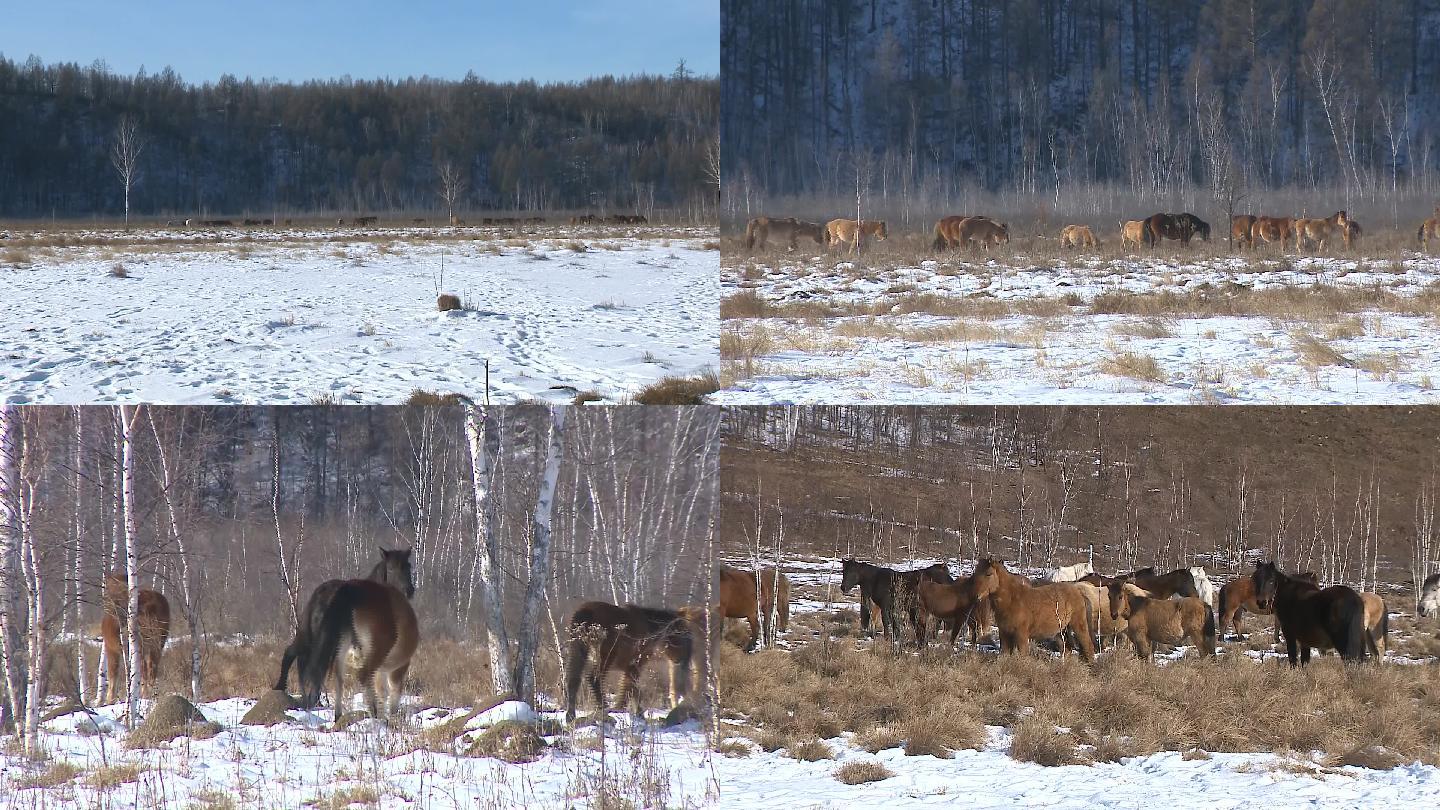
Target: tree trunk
[(128, 414), (529, 633), (12, 709), (483, 435)]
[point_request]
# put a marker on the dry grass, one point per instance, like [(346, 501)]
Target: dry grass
[(447, 302), (1148, 329), (110, 776), (1315, 352), (363, 795), (1134, 365), (679, 390), (117, 270), (858, 773), (810, 751), (1121, 706), (55, 774), (422, 398)]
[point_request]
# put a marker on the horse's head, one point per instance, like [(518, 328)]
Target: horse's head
[(849, 575), (394, 569), (986, 579), (1119, 601), (1266, 579)]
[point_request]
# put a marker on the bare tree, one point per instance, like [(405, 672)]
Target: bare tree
[(128, 415), (483, 434), (12, 710), (529, 628), (452, 185), (125, 155)]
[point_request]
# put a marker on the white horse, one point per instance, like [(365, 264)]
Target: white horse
[(1068, 573), (1429, 597), (1203, 586)]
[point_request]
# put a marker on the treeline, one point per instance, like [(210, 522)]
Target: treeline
[(242, 146), (1180, 99)]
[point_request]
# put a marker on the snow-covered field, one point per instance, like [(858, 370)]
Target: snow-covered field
[(301, 763), (296, 316), (903, 333)]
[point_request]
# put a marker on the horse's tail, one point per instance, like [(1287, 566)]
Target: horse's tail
[(940, 241), (1209, 631), (1223, 605), (1384, 640), (1355, 633), (335, 624), (750, 235), (291, 654), (576, 654), (782, 600)]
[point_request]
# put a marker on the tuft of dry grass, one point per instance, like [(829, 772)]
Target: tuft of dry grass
[(679, 390), (1037, 740), (447, 302), (1315, 352), (363, 795), (860, 772), (117, 270), (111, 776), (1134, 365), (55, 774), (422, 398), (810, 751), (1147, 328)]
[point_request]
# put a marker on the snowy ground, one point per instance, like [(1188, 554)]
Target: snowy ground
[(303, 764), (350, 316), (907, 353)]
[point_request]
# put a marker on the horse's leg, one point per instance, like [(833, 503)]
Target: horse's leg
[(864, 613), (595, 689), (755, 628), (397, 686)]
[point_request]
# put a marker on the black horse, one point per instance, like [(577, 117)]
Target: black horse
[(393, 569), (1179, 582), (1180, 227), (1311, 616), (886, 588)]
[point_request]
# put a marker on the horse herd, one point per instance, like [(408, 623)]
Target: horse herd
[(1247, 232)]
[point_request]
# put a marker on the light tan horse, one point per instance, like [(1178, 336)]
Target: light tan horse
[(1026, 612), (1272, 229), (1240, 234), (1167, 621), (1377, 620), (738, 601), (789, 230), (852, 233), (1318, 231), (1077, 236), (1132, 232), (154, 630), (1109, 627), (1429, 229)]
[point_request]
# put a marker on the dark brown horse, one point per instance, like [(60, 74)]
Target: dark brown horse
[(1238, 596), (1179, 582), (888, 589), (739, 600), (952, 602), (1179, 227), (154, 611), (1311, 616), (605, 637), (371, 621)]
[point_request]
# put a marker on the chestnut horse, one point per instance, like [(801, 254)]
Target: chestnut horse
[(1150, 619), (738, 600), (1311, 616), (1319, 231), (368, 620), (1240, 226), (1024, 612), (947, 231), (1132, 233), (1077, 236), (951, 602), (1272, 229), (154, 630), (605, 637), (1238, 596), (853, 233), (1429, 229)]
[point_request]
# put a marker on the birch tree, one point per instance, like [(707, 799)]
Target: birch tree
[(128, 415), (483, 434), (11, 621), (125, 155), (529, 628)]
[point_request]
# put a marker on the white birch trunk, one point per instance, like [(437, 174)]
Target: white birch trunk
[(529, 629), (484, 440), (191, 610), (128, 415), (11, 637)]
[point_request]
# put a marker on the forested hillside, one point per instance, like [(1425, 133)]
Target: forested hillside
[(1162, 98), (240, 145)]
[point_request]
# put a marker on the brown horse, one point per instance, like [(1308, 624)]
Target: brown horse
[(369, 621), (1179, 227), (738, 600), (1025, 612), (1240, 226), (1077, 236), (1311, 616), (1108, 628), (1272, 229), (947, 232), (1150, 619), (951, 602), (1238, 596), (154, 630), (1429, 229), (605, 637), (1319, 231), (1132, 233), (853, 233), (759, 230), (985, 232)]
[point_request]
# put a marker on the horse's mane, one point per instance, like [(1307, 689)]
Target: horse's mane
[(655, 616)]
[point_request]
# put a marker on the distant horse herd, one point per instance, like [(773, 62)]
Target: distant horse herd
[(370, 219), (368, 626), (980, 231)]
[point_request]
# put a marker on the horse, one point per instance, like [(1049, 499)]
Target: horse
[(760, 229), (1179, 227), (1204, 588), (1151, 619), (1238, 595), (371, 622), (1068, 573), (1132, 233), (1377, 621), (1024, 612), (884, 586), (1352, 233), (1429, 604), (1106, 627), (1272, 229), (947, 232), (1311, 616), (1318, 231), (1240, 226), (951, 602), (985, 231), (1429, 229), (738, 600), (154, 616), (605, 637), (853, 233), (1179, 582), (1077, 236)]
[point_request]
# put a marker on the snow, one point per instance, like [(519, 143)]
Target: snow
[(350, 317), (290, 765), (907, 354)]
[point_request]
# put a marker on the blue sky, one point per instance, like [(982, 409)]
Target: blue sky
[(293, 40)]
